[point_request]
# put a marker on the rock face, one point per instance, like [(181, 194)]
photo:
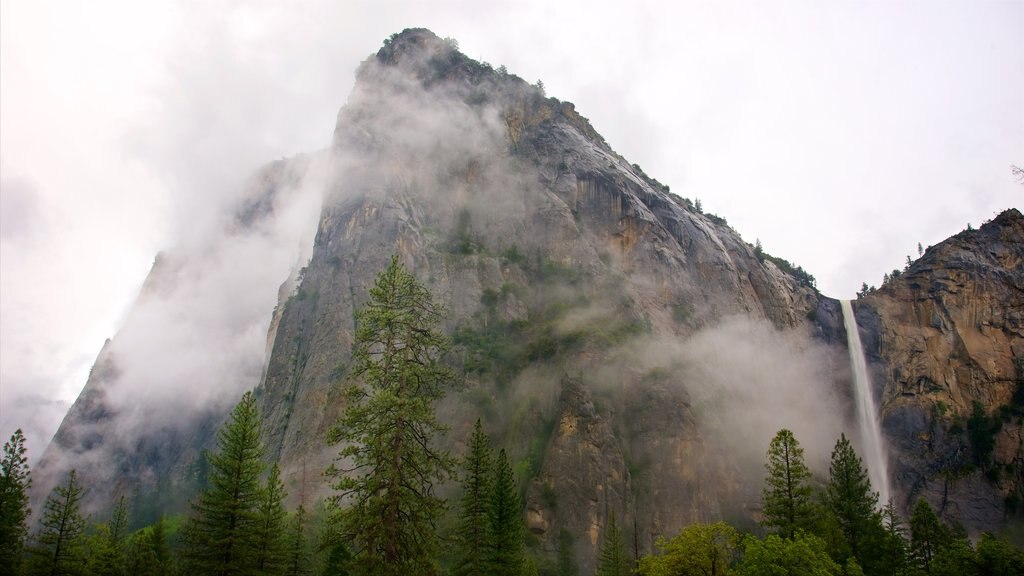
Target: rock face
[(554, 257), (631, 353), (947, 336)]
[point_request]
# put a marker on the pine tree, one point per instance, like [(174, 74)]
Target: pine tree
[(297, 545), (506, 531), (57, 547), (611, 560), (270, 553), (15, 482), (107, 549), (787, 493), (389, 465), (221, 534), (927, 536), (471, 553), (893, 551), (849, 498)]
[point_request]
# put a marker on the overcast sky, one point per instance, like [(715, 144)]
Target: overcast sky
[(840, 134)]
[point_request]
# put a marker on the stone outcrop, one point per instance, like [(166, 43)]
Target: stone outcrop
[(945, 335)]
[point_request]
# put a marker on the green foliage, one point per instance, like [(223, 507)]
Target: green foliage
[(58, 546), (799, 555), (981, 431), (15, 481), (802, 276), (699, 550), (850, 500), (505, 535), (297, 552), (787, 493), (474, 522), (996, 556), (107, 547), (892, 551), (927, 536), (956, 559), (221, 535), (388, 465), (566, 564), (270, 552), (611, 558)]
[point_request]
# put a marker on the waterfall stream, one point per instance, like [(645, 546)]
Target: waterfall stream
[(867, 414)]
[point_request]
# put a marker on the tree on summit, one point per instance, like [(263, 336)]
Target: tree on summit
[(388, 466)]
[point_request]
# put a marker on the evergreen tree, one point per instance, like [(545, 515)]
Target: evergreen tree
[(611, 559), (927, 536), (271, 555), (567, 554), (893, 552), (472, 551), (996, 556), (389, 465), (107, 549), (220, 536), (297, 545), (787, 492), (157, 541), (850, 500), (15, 482), (57, 549), (505, 516)]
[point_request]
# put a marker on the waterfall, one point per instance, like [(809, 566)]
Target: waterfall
[(867, 414)]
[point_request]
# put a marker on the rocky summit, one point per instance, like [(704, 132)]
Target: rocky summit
[(633, 354)]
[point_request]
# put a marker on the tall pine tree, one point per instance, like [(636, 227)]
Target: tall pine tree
[(15, 482), (297, 545), (787, 493), (611, 559), (58, 546), (389, 464), (927, 536), (220, 536), (506, 530), (107, 547), (471, 552), (849, 498), (271, 554)]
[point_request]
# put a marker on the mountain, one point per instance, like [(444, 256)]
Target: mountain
[(633, 354)]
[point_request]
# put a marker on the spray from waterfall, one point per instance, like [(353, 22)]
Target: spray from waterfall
[(867, 414)]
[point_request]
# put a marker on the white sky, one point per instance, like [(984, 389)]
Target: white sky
[(840, 134)]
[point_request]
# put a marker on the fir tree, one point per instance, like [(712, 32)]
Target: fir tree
[(389, 465), (297, 545), (58, 546), (506, 531), (15, 482), (787, 492), (270, 552), (611, 560), (221, 534), (927, 536), (107, 549), (893, 551), (471, 554), (849, 498)]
